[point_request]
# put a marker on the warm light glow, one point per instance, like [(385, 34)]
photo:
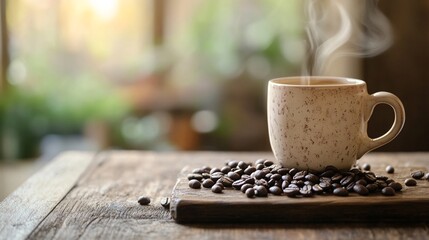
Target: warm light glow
[(105, 9)]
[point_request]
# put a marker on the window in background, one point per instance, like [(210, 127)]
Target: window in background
[(133, 74)]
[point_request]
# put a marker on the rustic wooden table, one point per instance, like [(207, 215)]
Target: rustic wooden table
[(86, 195)]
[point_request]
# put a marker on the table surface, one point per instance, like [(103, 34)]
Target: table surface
[(88, 195)]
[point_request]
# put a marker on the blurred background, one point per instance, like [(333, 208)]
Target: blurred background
[(176, 75)]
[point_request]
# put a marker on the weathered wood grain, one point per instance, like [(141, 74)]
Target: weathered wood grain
[(103, 205), (234, 207), (24, 209)]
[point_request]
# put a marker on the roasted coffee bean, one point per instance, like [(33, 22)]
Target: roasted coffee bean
[(335, 185), (366, 167), (299, 183), (217, 188), (331, 168), (195, 176), (260, 161), (268, 176), (220, 185), (300, 175), (372, 187), (426, 176), (143, 200), (226, 181), (309, 183), (396, 186), (360, 189), (293, 186), (214, 170), (283, 171), (389, 181), (261, 182), (287, 177), (268, 163), (417, 174), (317, 189), (232, 164), (245, 187), (370, 177), (361, 182), (276, 176), (259, 166), (165, 202), (388, 191), (306, 191), (337, 177), (216, 176), (233, 175), (381, 184), (410, 182), (208, 183), (293, 171), (260, 191), (249, 170), (239, 171), (195, 184), (390, 169), (383, 178), (325, 179), (238, 184), (250, 181), (328, 173), (312, 178), (198, 170), (259, 174), (350, 187), (226, 169), (285, 184), (355, 170), (325, 185), (206, 169), (291, 192), (245, 176), (346, 180), (340, 192), (275, 190), (205, 175), (250, 192), (271, 182), (243, 165)]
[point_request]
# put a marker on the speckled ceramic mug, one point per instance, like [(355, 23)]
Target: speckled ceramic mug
[(325, 122)]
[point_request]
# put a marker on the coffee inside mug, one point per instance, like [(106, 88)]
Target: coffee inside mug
[(317, 81)]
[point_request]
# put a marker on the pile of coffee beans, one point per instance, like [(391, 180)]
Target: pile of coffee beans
[(264, 177)]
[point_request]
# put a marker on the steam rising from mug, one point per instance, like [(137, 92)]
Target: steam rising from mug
[(334, 31)]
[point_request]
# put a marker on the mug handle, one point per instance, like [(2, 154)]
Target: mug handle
[(373, 100)]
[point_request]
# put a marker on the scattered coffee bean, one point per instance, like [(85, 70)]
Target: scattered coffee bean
[(388, 191), (299, 175), (370, 177), (214, 170), (327, 173), (143, 200), (226, 169), (275, 190), (249, 170), (208, 183), (340, 192), (372, 187), (268, 163), (245, 187), (361, 182), (366, 167), (396, 186), (196, 176), (165, 202), (242, 165), (250, 192), (259, 166), (259, 174), (206, 175), (417, 174), (410, 182), (195, 184), (293, 171), (260, 161), (291, 192), (232, 163), (426, 176), (390, 169), (217, 188), (260, 191), (317, 189), (233, 175), (360, 189)]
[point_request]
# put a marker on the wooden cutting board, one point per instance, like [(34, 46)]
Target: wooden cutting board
[(232, 206)]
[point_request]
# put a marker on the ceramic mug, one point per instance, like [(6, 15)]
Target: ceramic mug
[(319, 121)]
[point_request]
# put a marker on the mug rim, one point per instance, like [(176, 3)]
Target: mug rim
[(347, 81)]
